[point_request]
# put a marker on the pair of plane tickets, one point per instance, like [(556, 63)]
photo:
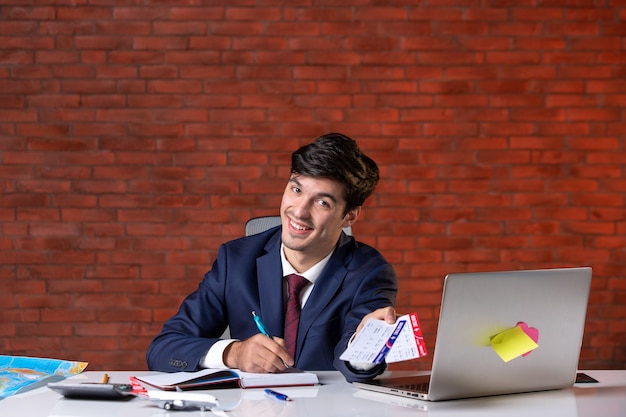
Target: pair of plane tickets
[(379, 340)]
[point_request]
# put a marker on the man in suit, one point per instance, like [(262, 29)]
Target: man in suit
[(347, 281)]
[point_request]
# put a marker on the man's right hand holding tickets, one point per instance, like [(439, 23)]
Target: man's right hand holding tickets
[(387, 314)]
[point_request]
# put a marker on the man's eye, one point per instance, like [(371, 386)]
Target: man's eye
[(295, 189), (323, 203)]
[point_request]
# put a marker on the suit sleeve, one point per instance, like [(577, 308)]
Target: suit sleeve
[(377, 289), (200, 321)]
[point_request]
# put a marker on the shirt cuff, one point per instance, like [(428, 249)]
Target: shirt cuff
[(361, 366), (215, 356)]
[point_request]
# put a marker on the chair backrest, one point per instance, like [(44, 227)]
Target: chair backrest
[(260, 224)]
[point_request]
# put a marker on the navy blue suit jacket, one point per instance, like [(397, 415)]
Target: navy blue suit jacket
[(247, 276)]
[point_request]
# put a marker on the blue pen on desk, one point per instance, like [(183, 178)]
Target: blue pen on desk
[(260, 325), (277, 395)]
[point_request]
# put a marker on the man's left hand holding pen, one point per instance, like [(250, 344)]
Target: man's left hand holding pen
[(259, 353)]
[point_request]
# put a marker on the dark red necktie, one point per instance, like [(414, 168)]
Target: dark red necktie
[(295, 284)]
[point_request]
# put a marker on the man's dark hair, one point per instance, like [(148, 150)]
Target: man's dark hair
[(338, 157)]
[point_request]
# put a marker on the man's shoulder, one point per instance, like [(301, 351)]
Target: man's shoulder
[(359, 251), (264, 241)]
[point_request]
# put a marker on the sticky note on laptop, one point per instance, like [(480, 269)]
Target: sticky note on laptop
[(378, 341), (512, 343)]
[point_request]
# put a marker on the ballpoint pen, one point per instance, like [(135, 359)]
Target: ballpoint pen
[(277, 395), (264, 331), (260, 325)]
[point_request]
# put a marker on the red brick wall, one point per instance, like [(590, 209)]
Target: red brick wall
[(135, 138)]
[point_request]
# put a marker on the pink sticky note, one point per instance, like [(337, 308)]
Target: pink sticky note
[(532, 332)]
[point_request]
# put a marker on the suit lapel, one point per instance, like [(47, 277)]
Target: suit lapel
[(324, 290), (270, 281)]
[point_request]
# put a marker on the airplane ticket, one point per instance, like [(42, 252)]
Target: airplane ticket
[(378, 341)]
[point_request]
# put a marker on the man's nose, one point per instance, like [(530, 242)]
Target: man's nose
[(302, 209)]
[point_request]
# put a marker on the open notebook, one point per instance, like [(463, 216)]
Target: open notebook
[(475, 307), (218, 378)]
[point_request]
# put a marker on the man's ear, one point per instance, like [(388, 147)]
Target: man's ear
[(351, 216)]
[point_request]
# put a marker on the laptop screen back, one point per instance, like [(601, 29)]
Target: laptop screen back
[(477, 306)]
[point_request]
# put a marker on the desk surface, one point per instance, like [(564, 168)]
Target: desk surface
[(335, 397)]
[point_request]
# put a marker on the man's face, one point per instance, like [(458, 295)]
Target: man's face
[(312, 218)]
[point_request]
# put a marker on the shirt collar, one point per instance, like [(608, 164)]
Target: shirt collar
[(312, 274)]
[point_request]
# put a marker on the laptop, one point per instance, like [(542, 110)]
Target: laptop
[(475, 307)]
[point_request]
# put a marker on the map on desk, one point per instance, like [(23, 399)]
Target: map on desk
[(18, 372)]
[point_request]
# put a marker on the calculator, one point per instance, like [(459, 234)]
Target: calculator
[(92, 390)]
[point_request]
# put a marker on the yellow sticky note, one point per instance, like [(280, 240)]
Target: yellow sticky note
[(512, 343)]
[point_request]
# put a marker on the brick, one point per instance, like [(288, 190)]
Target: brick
[(372, 44), (63, 115), (571, 58), (139, 13), (237, 28), (599, 199), (177, 86), (299, 29), (381, 14), (421, 43), (606, 86), (573, 29), (18, 27), (611, 58), (83, 13), (344, 28), (182, 28), (16, 57), (461, 100), (333, 58), (563, 128), (89, 87), (123, 115), (19, 87), (453, 58), (445, 129), (101, 42), (56, 57), (40, 214), (323, 13), (594, 114), (158, 71), (136, 57), (161, 43), (485, 44), (570, 101), (117, 315), (518, 28), (10, 115), (11, 101), (512, 58), (31, 72), (30, 13), (540, 43)]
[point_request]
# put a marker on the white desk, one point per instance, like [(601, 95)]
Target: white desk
[(337, 398)]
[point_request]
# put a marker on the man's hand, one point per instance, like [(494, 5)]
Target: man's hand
[(258, 354), (387, 314)]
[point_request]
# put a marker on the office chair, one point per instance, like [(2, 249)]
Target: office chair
[(260, 224)]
